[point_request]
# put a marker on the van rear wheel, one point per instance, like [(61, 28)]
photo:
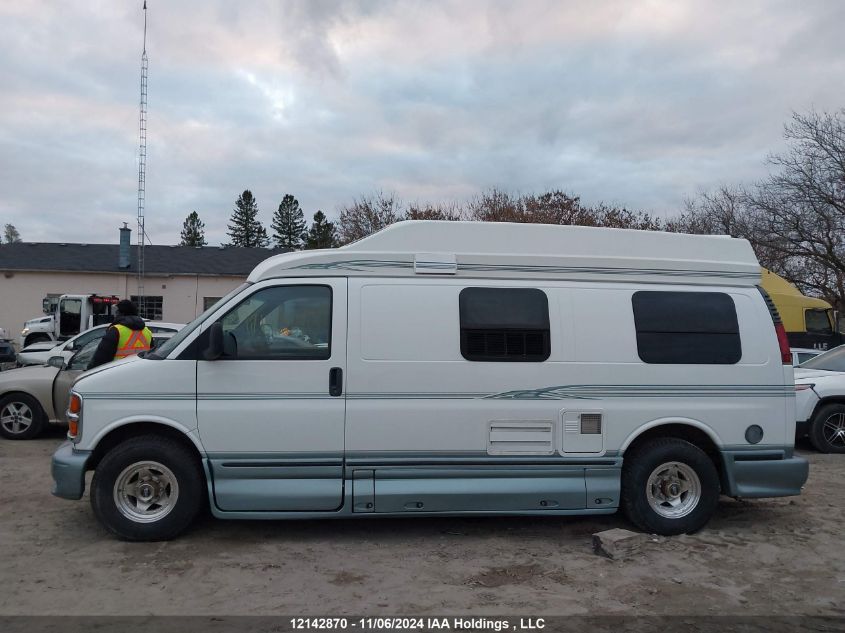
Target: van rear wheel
[(147, 488), (669, 486)]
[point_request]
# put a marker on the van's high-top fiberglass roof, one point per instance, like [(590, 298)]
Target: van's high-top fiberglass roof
[(527, 251)]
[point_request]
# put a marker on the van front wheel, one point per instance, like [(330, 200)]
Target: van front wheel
[(147, 488), (669, 486)]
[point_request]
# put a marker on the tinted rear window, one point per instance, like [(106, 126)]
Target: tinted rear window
[(697, 328), (504, 324)]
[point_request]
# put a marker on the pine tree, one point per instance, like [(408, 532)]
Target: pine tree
[(245, 228), (193, 231), (322, 233), (289, 224), (11, 234)]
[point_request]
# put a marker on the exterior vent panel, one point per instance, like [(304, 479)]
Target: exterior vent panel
[(591, 423), (521, 437)]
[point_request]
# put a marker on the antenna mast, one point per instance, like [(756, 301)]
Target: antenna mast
[(142, 169)]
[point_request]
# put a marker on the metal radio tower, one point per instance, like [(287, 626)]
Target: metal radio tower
[(142, 169)]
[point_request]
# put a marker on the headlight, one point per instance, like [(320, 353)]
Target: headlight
[(25, 331), (74, 416)]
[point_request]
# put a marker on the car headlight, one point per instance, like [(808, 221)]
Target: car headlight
[(25, 331), (74, 417)]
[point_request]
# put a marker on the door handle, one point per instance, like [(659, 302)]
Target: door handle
[(335, 381)]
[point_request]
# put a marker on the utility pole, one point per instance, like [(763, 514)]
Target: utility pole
[(142, 169)]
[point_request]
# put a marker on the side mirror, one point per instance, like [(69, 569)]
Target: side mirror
[(57, 361), (215, 342)]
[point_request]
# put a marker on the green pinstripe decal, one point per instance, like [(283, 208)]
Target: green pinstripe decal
[(415, 396), (264, 396), (363, 264), (599, 392), (559, 392), (138, 396), (355, 265)]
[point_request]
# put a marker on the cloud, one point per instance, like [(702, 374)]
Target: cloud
[(637, 103)]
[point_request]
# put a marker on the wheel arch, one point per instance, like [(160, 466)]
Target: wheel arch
[(135, 427), (37, 337), (19, 391), (825, 400), (687, 429)]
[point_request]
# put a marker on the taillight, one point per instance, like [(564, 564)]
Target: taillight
[(74, 412), (783, 342)]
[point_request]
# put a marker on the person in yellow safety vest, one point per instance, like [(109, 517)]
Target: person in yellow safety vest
[(126, 336)]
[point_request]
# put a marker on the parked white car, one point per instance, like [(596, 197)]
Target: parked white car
[(40, 353), (803, 354), (820, 401)]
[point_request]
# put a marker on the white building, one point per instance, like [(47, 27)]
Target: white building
[(179, 282)]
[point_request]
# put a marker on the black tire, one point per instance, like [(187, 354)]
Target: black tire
[(827, 440), (637, 468), (25, 426), (184, 466)]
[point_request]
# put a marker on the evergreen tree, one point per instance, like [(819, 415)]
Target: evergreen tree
[(11, 234), (245, 229), (289, 224), (193, 231), (322, 233)]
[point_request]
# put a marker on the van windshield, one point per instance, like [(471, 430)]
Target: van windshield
[(172, 343), (834, 360)]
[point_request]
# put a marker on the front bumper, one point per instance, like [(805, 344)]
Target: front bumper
[(68, 468), (764, 473)]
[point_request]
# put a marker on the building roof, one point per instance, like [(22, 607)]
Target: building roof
[(528, 251), (158, 260)]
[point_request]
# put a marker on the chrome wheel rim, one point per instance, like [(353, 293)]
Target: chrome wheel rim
[(16, 417), (833, 430), (146, 492), (673, 490)]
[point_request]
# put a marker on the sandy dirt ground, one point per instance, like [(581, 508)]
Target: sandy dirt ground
[(767, 557)]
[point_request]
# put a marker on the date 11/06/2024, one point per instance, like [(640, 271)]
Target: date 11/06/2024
[(417, 624)]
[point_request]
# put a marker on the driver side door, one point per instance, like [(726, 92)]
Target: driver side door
[(271, 410)]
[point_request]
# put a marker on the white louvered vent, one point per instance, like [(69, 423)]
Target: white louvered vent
[(520, 437), (591, 423)]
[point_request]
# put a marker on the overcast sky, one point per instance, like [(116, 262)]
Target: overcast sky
[(635, 103)]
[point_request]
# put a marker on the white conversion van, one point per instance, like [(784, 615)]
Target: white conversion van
[(453, 368)]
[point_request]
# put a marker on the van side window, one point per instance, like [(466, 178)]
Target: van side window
[(698, 328), (280, 323), (504, 324)]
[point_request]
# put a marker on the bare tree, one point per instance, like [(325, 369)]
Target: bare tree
[(719, 212), (799, 210), (439, 211), (623, 218), (552, 207), (366, 215), (11, 234)]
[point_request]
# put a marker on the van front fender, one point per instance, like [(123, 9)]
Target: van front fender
[(122, 423)]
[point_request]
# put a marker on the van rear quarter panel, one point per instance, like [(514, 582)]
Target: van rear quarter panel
[(410, 390)]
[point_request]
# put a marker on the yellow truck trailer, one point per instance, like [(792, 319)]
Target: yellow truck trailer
[(809, 322)]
